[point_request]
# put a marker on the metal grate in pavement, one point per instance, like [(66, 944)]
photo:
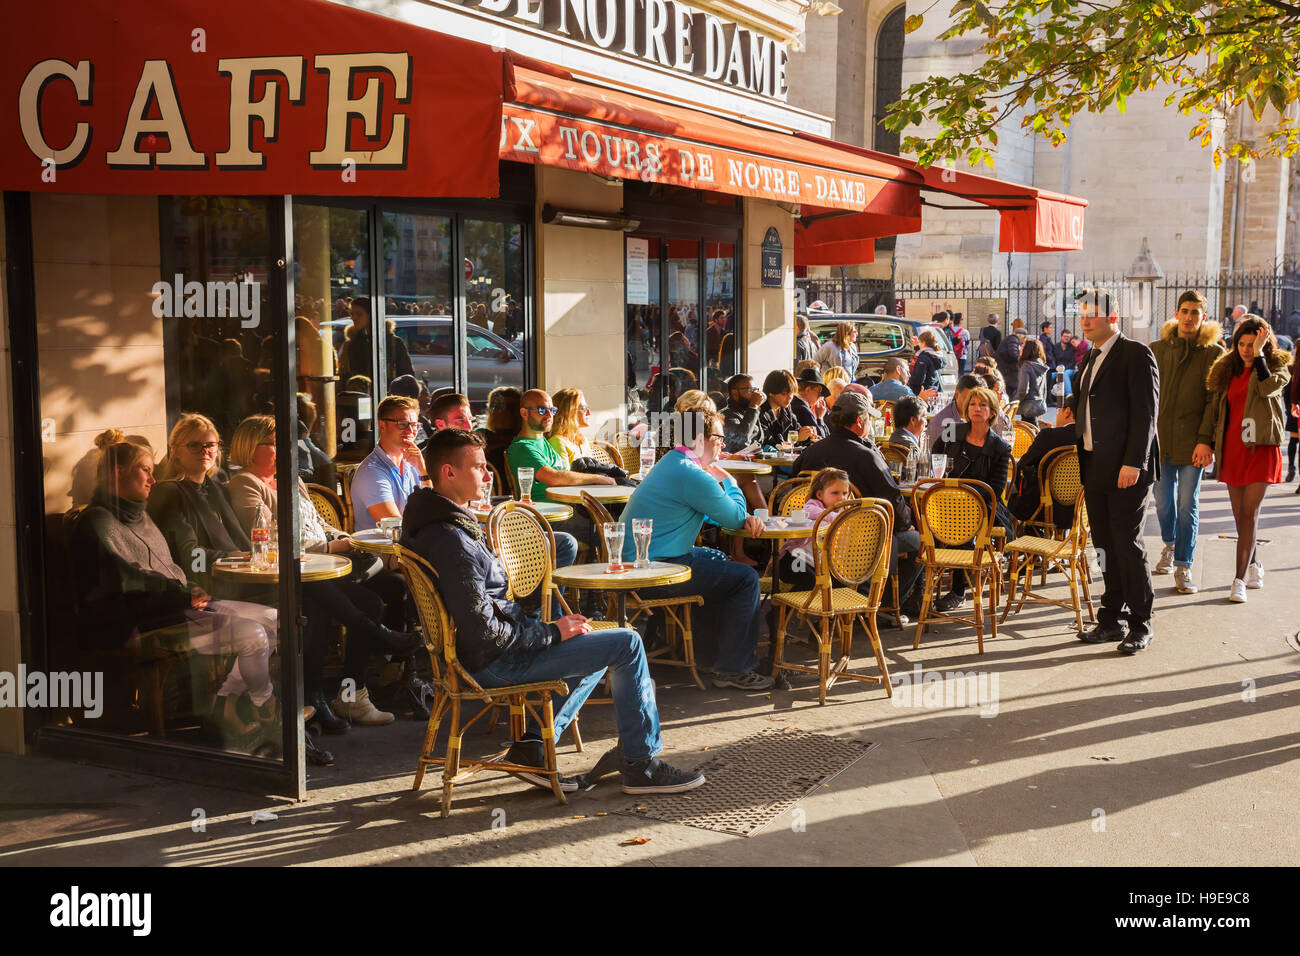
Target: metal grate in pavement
[(754, 780)]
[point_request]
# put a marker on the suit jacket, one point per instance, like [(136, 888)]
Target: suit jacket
[(1122, 403)]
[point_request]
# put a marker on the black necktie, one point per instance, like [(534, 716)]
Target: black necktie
[(1085, 383)]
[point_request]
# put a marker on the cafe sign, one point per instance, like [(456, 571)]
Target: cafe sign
[(663, 32)]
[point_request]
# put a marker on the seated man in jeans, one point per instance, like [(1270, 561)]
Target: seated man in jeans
[(500, 644), (684, 488)]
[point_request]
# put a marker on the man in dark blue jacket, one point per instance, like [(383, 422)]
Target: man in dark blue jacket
[(500, 644)]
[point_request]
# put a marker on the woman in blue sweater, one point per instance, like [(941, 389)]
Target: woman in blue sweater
[(684, 488)]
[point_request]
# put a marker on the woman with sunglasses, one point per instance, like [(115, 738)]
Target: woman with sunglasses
[(347, 600)]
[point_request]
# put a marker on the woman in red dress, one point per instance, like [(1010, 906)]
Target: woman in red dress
[(1248, 387)]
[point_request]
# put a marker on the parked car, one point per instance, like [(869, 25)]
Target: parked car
[(882, 337), (492, 360)]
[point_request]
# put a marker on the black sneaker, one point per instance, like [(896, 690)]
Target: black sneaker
[(655, 776), (531, 752), (949, 602), (750, 680)]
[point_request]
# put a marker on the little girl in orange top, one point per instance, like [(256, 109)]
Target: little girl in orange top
[(829, 487)]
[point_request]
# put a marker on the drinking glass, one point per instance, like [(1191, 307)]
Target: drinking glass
[(390, 528), (525, 476), (614, 544), (641, 531), (940, 463), (791, 438), (485, 499)]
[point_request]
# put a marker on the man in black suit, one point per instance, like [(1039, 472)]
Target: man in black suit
[(1118, 385)]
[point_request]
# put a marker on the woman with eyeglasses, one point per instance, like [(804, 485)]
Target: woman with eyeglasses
[(571, 416), (346, 600), (504, 420), (193, 509)]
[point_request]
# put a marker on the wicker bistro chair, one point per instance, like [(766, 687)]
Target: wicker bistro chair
[(607, 454), (453, 684), (524, 542), (891, 452), (328, 505), (1059, 483), (1023, 437), (679, 647), (629, 453), (345, 473), (949, 513), (855, 549), (1069, 555)]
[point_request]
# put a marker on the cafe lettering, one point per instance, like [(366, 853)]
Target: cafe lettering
[(664, 32), (283, 81)]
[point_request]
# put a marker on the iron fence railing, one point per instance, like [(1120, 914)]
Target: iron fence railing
[(1143, 304)]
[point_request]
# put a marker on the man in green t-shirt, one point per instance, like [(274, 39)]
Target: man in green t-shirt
[(531, 450)]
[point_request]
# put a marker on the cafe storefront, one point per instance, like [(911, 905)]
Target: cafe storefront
[(200, 217)]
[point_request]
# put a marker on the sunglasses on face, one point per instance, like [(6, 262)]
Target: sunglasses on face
[(543, 410), (198, 447), (402, 425)]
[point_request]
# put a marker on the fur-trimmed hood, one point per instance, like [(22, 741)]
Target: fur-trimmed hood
[(1209, 333), (1219, 376)]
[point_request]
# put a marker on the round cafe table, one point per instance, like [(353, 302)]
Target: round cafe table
[(605, 494), (738, 466), (778, 461), (315, 567), (374, 541), (597, 577)]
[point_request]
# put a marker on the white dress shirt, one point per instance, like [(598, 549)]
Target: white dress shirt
[(1105, 348)]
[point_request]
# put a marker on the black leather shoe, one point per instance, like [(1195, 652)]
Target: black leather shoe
[(329, 721), (397, 642), (1136, 641), (1104, 634)]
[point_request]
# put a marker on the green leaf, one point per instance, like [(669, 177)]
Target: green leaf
[(913, 23)]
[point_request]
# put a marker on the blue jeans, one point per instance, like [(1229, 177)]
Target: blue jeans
[(730, 610), (1178, 522), (585, 657), (566, 549)]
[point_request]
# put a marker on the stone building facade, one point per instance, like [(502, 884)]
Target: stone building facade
[(1139, 172)]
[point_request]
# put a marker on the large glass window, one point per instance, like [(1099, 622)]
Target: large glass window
[(332, 285), (154, 477), (494, 302)]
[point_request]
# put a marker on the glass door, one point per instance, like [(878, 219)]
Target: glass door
[(681, 320)]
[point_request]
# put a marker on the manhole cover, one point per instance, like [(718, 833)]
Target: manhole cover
[(756, 779)]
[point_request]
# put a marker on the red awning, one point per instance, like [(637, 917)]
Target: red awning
[(1032, 220), (557, 120), (244, 97)]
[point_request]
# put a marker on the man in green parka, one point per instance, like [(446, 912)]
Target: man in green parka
[(1188, 346)]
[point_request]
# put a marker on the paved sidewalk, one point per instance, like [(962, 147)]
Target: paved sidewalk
[(1184, 754)]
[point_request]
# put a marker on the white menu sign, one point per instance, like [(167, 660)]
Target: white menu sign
[(638, 280)]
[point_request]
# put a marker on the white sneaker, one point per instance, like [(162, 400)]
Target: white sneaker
[(1238, 593), (1166, 562), (1255, 576), (1183, 581)]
